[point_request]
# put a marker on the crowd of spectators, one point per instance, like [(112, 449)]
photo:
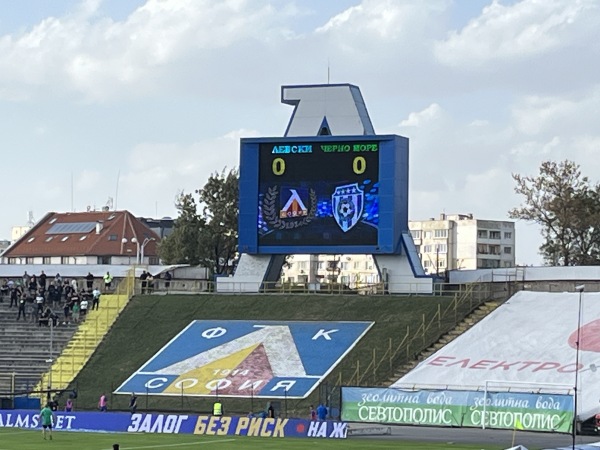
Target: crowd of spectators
[(50, 301)]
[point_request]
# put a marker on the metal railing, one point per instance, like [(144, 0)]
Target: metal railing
[(464, 301)]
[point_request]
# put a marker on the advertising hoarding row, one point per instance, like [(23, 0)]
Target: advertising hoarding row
[(177, 424)]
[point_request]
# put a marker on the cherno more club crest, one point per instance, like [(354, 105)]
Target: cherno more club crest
[(347, 205)]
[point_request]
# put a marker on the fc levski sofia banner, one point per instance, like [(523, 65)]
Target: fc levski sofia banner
[(509, 410), (234, 358), (177, 424)]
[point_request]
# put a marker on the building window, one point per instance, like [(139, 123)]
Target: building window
[(82, 238), (482, 249), (494, 249), (483, 234), (426, 264), (427, 234), (104, 260), (488, 263), (356, 265), (440, 233), (302, 265), (508, 250), (416, 234), (494, 235), (507, 235), (302, 278), (31, 239), (64, 260), (427, 249), (12, 260), (320, 265), (29, 260), (442, 263), (441, 248), (112, 237), (47, 260), (344, 266), (153, 261), (49, 238), (64, 238)]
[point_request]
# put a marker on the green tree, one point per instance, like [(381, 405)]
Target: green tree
[(218, 236), (208, 237), (181, 246), (567, 207)]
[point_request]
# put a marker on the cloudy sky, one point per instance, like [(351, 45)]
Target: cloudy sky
[(138, 100)]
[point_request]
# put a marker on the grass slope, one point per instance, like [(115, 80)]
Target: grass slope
[(149, 322)]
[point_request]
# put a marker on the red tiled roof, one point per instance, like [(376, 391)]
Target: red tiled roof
[(95, 233)]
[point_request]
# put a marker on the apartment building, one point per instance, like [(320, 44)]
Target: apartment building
[(462, 242), (451, 242)]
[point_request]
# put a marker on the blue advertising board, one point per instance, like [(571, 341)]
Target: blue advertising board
[(177, 424), (237, 358)]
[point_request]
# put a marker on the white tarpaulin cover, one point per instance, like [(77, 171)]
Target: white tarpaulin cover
[(529, 339)]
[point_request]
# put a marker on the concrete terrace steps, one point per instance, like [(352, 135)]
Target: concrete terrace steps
[(25, 349), (477, 315), (84, 342)]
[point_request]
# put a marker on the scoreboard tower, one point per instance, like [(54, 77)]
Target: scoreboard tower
[(329, 186)]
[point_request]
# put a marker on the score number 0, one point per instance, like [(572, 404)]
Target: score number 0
[(359, 165)]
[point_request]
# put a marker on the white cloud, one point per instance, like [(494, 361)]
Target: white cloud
[(519, 31), (102, 59), (431, 113)]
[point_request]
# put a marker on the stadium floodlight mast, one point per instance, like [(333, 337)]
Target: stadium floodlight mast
[(580, 288)]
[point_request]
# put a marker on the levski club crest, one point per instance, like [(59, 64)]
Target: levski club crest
[(252, 359), (347, 205)]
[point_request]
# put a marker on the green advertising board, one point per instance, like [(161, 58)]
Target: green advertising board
[(504, 410)]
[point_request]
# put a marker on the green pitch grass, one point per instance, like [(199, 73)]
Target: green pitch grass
[(15, 439)]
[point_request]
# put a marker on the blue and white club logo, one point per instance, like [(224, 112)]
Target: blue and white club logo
[(347, 205)]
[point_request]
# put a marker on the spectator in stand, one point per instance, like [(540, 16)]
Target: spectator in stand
[(58, 280), (33, 286), (107, 281), (52, 300), (15, 295), (22, 304), (59, 293), (74, 284), (25, 279), (67, 312), (89, 281), (69, 405), (144, 279), (75, 308), (168, 278), (34, 312), (44, 317), (95, 298), (39, 301), (42, 280), (4, 290), (150, 281), (67, 290), (74, 297), (83, 305)]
